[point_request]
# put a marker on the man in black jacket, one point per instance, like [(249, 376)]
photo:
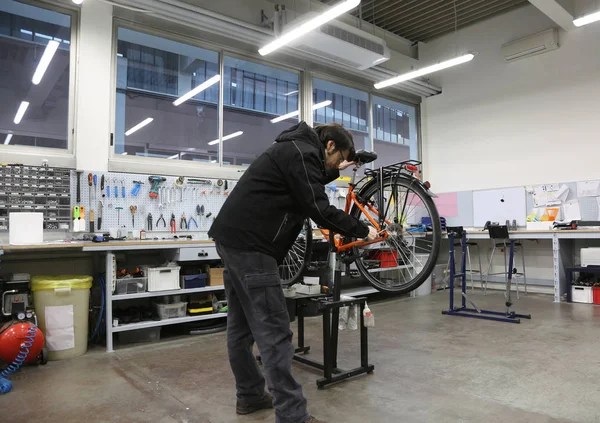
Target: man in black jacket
[(253, 232)]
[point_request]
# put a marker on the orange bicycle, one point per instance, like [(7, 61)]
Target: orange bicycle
[(400, 206)]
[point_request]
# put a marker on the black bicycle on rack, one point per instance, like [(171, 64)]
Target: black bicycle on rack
[(400, 206)]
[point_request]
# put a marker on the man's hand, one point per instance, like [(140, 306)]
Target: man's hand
[(373, 234), (345, 164)]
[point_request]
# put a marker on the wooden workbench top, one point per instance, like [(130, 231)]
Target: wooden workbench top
[(51, 245)]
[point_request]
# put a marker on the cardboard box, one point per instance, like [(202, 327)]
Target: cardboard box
[(215, 276)]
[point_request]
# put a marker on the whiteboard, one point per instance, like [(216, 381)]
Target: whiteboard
[(500, 205)]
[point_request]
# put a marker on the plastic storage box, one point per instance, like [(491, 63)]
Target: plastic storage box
[(131, 286), (581, 294), (162, 278), (193, 281), (170, 311)]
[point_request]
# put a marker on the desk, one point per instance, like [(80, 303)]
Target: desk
[(193, 250)]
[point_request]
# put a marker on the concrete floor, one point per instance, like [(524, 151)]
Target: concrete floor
[(428, 368)]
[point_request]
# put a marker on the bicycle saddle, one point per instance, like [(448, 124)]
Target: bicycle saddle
[(363, 156)]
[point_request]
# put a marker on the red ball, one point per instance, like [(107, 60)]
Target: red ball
[(13, 338)]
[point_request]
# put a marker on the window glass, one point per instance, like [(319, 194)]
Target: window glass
[(35, 48), (395, 127), (167, 98), (256, 99), (345, 105)]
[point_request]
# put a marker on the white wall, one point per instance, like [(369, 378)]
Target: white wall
[(500, 124)]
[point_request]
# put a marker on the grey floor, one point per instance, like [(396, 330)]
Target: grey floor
[(428, 368)]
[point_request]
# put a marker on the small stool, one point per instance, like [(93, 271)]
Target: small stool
[(501, 239)]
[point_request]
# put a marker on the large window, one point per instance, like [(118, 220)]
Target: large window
[(348, 106), (167, 98), (34, 76), (394, 130), (259, 103)]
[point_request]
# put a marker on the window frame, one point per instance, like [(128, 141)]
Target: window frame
[(33, 156), (118, 162), (371, 92)]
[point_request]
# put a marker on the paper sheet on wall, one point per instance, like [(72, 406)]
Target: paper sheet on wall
[(571, 210), (549, 194), (588, 189), (60, 328), (447, 204)]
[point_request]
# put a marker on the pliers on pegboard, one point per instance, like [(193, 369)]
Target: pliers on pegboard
[(183, 222), (173, 224), (163, 221), (190, 222)]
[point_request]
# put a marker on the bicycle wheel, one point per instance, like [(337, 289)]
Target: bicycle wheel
[(403, 261), (298, 257)]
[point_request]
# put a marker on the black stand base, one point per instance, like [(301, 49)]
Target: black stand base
[(331, 309), (498, 316)]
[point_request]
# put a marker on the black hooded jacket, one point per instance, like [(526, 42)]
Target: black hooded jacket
[(282, 187)]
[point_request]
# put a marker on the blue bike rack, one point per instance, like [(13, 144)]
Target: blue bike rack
[(477, 313)]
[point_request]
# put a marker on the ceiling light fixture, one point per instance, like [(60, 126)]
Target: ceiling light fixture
[(51, 48), (213, 161), (306, 27), (208, 83), (139, 126), (7, 139), (587, 19), (77, 1), (20, 112), (297, 112), (227, 137), (291, 92), (424, 71)]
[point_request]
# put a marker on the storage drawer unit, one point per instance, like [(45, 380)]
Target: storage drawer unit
[(195, 254)]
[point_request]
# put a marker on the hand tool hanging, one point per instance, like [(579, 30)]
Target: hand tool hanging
[(102, 187), (76, 208), (133, 209), (90, 183), (100, 207), (173, 224), (149, 221)]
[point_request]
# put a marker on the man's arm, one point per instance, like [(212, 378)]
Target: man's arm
[(305, 178)]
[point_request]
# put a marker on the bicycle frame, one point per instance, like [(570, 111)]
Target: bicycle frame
[(352, 198)]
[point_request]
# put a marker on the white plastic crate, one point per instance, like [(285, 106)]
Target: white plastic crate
[(162, 278), (582, 294), (170, 311)]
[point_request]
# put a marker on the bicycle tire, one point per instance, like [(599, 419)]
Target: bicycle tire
[(415, 187), (295, 262)]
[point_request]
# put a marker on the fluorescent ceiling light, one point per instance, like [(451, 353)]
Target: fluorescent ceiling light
[(291, 92), (7, 139), (584, 20), (213, 161), (124, 154), (198, 89), (381, 59), (297, 112), (227, 137), (424, 71), (45, 61), (174, 156), (139, 126), (22, 108), (77, 1), (306, 27), (26, 31)]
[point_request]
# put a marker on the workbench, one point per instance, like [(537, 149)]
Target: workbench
[(563, 251), (185, 250)]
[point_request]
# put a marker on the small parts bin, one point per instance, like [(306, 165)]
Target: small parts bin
[(62, 307), (170, 311)]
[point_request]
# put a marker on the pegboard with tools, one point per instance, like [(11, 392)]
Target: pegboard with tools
[(131, 202)]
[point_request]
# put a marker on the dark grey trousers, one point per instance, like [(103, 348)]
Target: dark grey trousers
[(257, 311)]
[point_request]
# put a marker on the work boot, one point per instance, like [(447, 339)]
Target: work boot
[(262, 404), (311, 419)]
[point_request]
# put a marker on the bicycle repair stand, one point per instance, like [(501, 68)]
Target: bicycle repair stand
[(330, 306), (477, 313)]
